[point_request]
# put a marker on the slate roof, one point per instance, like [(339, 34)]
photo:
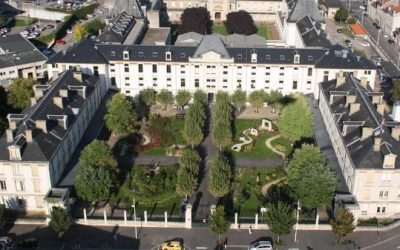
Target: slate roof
[(311, 32), (213, 43), (332, 3), (361, 151), (44, 145), (189, 39), (16, 50), (300, 8), (119, 30)]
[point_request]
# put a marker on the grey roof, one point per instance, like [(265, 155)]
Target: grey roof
[(189, 39), (312, 33), (300, 8), (361, 151), (213, 43), (332, 3), (119, 29), (132, 7), (44, 145), (16, 50)]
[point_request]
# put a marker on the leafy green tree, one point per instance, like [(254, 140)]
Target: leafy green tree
[(222, 121), (3, 216), (220, 177), (219, 222), (195, 19), (222, 97), (240, 22), (3, 20), (148, 96), (239, 99), (186, 183), (343, 223), (296, 121), (194, 124), (280, 218), (257, 98), (98, 154), (341, 15), (94, 183), (4, 110), (121, 115), (165, 98), (310, 177), (200, 96), (396, 91), (20, 93), (79, 32), (60, 220), (183, 98), (274, 97), (93, 27), (190, 159)]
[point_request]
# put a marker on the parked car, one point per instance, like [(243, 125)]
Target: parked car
[(62, 42), (6, 242), (172, 245), (69, 31), (50, 26), (339, 30), (362, 7), (261, 245), (391, 41), (348, 42), (28, 243), (365, 44)]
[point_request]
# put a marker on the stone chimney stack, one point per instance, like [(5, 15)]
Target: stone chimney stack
[(366, 132), (380, 108), (42, 124), (58, 100), (77, 75), (377, 144), (396, 133), (340, 80), (28, 135), (354, 108), (10, 135), (350, 99)]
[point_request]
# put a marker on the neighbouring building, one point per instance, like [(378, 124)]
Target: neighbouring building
[(40, 141), (386, 14), (358, 30), (366, 142), (19, 58), (331, 7)]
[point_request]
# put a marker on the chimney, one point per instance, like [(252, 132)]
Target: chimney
[(396, 112), (350, 99), (364, 82), (377, 144), (376, 99), (380, 108), (77, 75), (354, 108), (64, 93), (38, 93), (396, 133), (58, 100), (366, 132), (12, 124), (42, 124), (340, 80), (389, 161), (33, 101), (10, 135), (28, 135)]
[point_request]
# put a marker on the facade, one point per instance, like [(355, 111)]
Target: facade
[(211, 66), (40, 140), (19, 58), (366, 142), (331, 7), (386, 14)]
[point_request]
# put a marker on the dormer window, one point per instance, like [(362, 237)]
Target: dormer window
[(155, 54), (125, 54), (253, 57), (282, 57), (168, 56), (183, 55), (268, 57), (296, 58), (310, 58), (239, 56), (15, 153), (140, 54)]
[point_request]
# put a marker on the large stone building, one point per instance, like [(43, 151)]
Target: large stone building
[(40, 140), (386, 13), (366, 142)]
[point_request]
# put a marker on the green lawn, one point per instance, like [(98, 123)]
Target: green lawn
[(220, 29), (283, 145), (160, 151), (264, 32), (247, 178), (23, 22)]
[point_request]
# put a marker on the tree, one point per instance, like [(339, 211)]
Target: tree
[(60, 220), (220, 177), (396, 91), (79, 32), (194, 124), (343, 223), (186, 183), (160, 130), (296, 121), (239, 99), (310, 177), (257, 98), (200, 96), (280, 219), (240, 22), (275, 96), (341, 15), (190, 159), (195, 19), (222, 121), (183, 98), (3, 20), (165, 98), (20, 93), (3, 216), (219, 222), (95, 183), (121, 116), (98, 154), (93, 27), (148, 96)]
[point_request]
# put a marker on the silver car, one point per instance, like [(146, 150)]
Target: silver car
[(261, 245)]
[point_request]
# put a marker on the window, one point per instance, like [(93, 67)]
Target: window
[(196, 82), (364, 209), (294, 85), (140, 68), (383, 194), (140, 54), (239, 67), (168, 56), (126, 78), (386, 177), (367, 72), (113, 83), (96, 71), (3, 185), (225, 67), (196, 66), (154, 54), (126, 68), (36, 186), (239, 56), (282, 57), (268, 57), (309, 73), (154, 68), (381, 209), (225, 72), (16, 170), (126, 55), (19, 186), (183, 82), (295, 68), (168, 68), (183, 55)]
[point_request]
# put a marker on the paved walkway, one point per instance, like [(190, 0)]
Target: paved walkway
[(265, 188), (269, 145)]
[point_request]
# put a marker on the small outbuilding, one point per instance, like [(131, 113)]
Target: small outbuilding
[(358, 30), (331, 7)]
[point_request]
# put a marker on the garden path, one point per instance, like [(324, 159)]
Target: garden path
[(265, 188), (269, 145)]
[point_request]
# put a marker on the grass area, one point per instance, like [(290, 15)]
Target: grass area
[(264, 32), (246, 178), (159, 151), (283, 145), (220, 29), (23, 22)]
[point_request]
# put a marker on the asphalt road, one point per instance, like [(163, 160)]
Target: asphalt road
[(85, 237)]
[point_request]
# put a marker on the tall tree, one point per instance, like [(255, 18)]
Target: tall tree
[(275, 96), (186, 183), (79, 32), (93, 27), (97, 154), (148, 96), (341, 15), (296, 121), (280, 218), (20, 93), (194, 124), (195, 19), (219, 222), (183, 98), (220, 177), (310, 177), (222, 121), (240, 22), (239, 99), (190, 159), (165, 98), (200, 96), (343, 223), (60, 221), (396, 91), (257, 98), (121, 115)]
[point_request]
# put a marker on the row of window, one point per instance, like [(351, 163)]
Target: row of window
[(20, 185)]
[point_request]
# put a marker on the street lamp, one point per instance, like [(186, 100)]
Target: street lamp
[(134, 216), (297, 220)]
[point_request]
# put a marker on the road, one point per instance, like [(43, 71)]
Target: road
[(86, 237)]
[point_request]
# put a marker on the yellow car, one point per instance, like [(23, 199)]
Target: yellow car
[(172, 245)]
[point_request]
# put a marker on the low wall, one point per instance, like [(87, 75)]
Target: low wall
[(45, 14)]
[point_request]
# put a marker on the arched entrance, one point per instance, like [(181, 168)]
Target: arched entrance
[(217, 16)]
